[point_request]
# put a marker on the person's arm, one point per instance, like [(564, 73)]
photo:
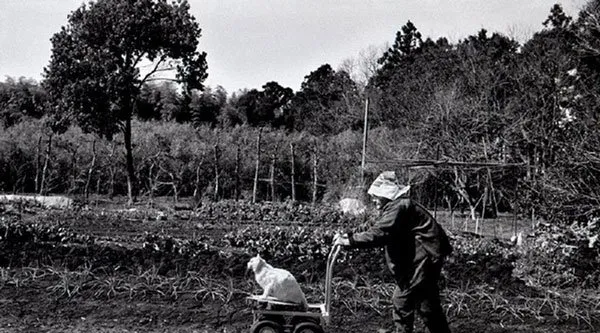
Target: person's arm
[(379, 234)]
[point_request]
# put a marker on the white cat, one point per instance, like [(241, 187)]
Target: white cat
[(276, 282)]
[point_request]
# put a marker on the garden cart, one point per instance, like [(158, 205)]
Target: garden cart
[(274, 316)]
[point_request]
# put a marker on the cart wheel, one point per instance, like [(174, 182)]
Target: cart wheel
[(308, 327), (266, 326)]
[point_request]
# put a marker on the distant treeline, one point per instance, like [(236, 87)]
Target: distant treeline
[(485, 98), (181, 160)]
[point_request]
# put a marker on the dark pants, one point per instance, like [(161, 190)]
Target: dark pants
[(419, 291)]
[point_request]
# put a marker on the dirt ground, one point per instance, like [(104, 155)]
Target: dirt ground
[(34, 307), (32, 311)]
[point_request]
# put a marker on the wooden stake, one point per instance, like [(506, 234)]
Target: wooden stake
[(37, 164), (483, 206), (293, 173), (174, 186), (272, 176), (216, 150), (515, 209), (364, 147), (46, 163), (255, 187), (435, 196), (315, 176), (90, 171), (237, 173), (113, 171)]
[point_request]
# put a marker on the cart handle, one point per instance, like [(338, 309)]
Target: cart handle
[(335, 250)]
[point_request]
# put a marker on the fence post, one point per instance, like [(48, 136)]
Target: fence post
[(293, 173), (237, 173), (364, 147), (315, 175), (255, 187), (90, 171), (216, 150), (46, 164), (37, 163), (272, 176), (516, 189), (435, 195)]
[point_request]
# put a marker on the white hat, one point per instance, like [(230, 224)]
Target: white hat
[(386, 186)]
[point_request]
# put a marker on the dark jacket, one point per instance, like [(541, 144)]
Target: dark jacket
[(409, 234)]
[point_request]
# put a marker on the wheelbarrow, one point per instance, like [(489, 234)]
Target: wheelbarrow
[(273, 316)]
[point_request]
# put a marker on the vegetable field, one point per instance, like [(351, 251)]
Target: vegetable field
[(166, 268)]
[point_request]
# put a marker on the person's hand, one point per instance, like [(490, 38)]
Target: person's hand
[(341, 239)]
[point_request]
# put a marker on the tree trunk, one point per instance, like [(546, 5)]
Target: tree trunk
[(37, 164), (90, 171), (129, 160), (460, 188), (112, 171), (111, 189), (152, 185), (197, 194), (174, 185), (490, 182), (46, 163), (73, 172), (98, 185)]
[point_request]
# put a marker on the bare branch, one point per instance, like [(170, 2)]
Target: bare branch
[(162, 79), (153, 71), (138, 59)]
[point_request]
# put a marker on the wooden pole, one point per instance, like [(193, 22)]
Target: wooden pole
[(515, 208), (364, 147), (435, 195), (216, 151), (152, 185), (46, 164), (315, 176), (37, 163), (483, 206), (255, 187), (272, 176), (72, 187), (237, 173), (293, 172), (490, 180), (174, 186), (112, 170), (90, 171), (197, 194)]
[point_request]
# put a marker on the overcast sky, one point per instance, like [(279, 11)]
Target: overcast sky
[(251, 42)]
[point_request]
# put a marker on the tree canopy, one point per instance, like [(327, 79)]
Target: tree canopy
[(94, 75)]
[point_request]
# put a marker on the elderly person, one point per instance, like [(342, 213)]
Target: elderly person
[(415, 248)]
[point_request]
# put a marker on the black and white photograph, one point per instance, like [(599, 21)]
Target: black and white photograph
[(300, 166)]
